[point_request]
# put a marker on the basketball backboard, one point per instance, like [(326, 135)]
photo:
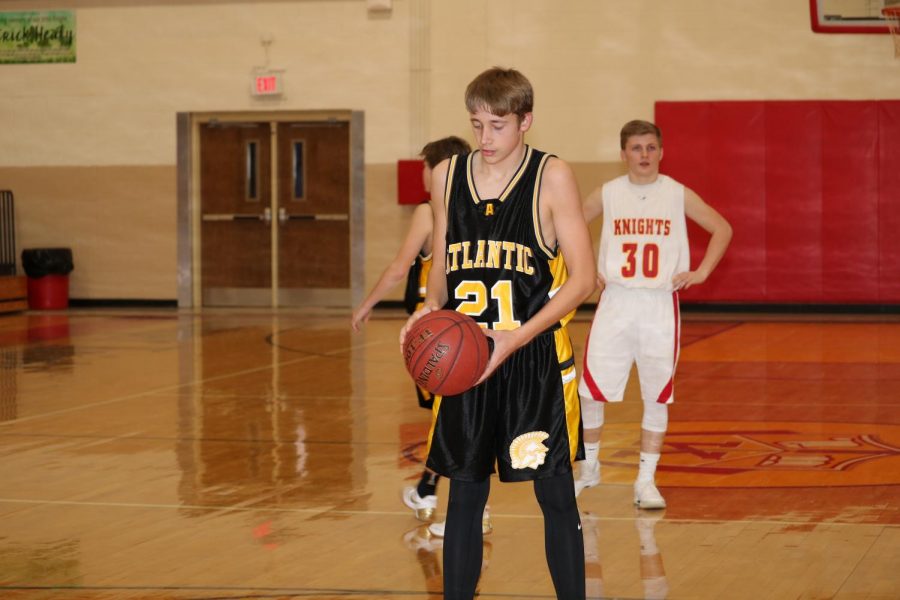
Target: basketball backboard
[(849, 16)]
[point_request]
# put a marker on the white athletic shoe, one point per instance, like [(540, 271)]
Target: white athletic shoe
[(647, 496), (437, 529), (422, 507), (587, 477)]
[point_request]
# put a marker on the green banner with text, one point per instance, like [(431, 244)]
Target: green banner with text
[(37, 37)]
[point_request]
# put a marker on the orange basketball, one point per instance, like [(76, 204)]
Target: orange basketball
[(445, 352)]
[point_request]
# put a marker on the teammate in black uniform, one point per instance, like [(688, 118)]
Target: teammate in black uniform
[(413, 260), (512, 250)]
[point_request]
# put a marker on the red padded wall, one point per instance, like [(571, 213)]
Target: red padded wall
[(738, 159), (793, 245), (849, 202), (889, 202), (812, 189)]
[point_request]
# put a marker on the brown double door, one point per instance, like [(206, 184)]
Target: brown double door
[(275, 205)]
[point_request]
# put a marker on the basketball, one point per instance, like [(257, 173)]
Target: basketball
[(445, 352)]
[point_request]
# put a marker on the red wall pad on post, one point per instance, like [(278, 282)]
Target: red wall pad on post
[(812, 189), (410, 187)]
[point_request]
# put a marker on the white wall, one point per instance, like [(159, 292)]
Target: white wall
[(595, 64)]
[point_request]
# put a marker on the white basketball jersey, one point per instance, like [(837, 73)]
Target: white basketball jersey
[(644, 240)]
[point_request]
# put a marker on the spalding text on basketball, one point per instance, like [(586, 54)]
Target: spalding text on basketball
[(432, 365), (416, 342)]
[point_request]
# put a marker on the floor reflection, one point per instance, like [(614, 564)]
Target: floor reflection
[(238, 454), (39, 563), (9, 383), (258, 430), (49, 346), (427, 546), (653, 574)]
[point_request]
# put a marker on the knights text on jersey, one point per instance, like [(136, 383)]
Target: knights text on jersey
[(500, 270), (644, 239)]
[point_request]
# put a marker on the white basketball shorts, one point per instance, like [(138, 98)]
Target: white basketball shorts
[(630, 326)]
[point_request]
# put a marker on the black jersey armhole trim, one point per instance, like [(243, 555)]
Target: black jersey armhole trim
[(536, 210)]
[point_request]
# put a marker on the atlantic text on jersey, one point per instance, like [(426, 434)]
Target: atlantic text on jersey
[(490, 254)]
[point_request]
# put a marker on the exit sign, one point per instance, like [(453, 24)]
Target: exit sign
[(266, 84)]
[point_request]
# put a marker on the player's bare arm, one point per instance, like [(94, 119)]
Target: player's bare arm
[(436, 290), (592, 208), (562, 223), (720, 232), (417, 237)]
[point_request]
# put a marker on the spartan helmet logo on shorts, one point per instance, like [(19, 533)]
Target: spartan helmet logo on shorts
[(527, 451)]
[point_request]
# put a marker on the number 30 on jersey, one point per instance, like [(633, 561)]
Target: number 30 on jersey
[(648, 256)]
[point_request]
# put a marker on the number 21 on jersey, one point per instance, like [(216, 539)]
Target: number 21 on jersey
[(474, 301)]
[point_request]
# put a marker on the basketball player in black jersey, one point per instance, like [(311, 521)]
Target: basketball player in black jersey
[(512, 250), (416, 250)]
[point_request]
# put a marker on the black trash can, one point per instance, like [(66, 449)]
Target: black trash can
[(48, 277)]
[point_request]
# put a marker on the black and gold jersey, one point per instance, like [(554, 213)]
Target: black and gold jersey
[(416, 282), (500, 270)]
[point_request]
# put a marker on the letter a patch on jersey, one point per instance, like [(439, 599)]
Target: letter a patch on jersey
[(489, 209)]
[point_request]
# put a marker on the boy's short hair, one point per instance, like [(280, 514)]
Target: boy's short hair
[(501, 92), (638, 127), (436, 151)]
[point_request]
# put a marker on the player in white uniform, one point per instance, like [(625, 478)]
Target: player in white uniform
[(644, 261)]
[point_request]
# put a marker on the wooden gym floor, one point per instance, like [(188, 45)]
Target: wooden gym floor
[(256, 454)]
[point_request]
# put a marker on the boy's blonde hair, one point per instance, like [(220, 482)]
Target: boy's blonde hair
[(638, 127), (501, 92)]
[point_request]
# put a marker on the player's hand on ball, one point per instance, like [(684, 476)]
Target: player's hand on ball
[(409, 322), (502, 343), (445, 352)]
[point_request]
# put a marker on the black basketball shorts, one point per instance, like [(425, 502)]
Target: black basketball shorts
[(526, 418)]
